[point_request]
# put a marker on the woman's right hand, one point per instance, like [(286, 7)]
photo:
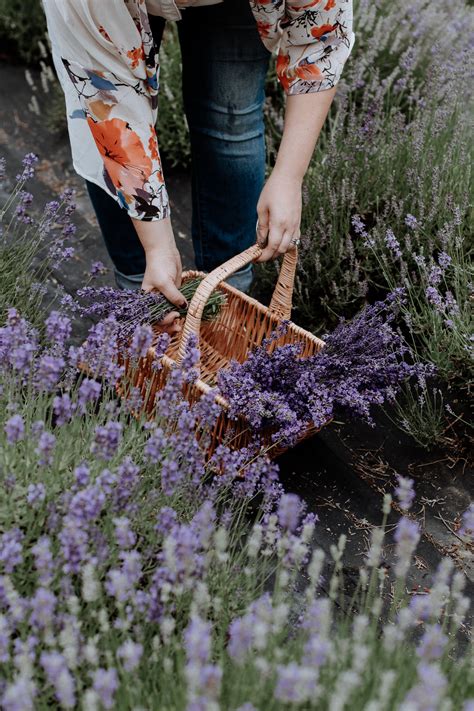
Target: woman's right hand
[(163, 265), (163, 273)]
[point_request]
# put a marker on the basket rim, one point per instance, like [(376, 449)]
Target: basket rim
[(191, 274)]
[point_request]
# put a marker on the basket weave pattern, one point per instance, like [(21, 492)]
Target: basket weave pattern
[(242, 324)]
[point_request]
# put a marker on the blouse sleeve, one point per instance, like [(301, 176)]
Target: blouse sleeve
[(316, 40), (107, 65)]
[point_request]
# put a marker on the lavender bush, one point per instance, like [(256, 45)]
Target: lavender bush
[(31, 245), (131, 577)]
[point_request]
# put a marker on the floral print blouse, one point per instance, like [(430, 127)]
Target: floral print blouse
[(108, 67)]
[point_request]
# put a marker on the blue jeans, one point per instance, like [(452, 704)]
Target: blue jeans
[(224, 70)]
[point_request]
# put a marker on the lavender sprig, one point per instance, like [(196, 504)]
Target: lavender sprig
[(133, 308)]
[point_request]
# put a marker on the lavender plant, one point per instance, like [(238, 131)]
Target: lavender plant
[(396, 148), (130, 577), (363, 363), (31, 245)]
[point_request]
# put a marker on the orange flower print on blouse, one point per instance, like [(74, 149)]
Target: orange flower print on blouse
[(308, 72), (122, 151), (282, 70), (104, 33), (264, 28), (136, 55), (319, 32), (153, 144)]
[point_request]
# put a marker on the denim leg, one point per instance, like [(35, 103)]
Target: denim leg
[(120, 237), (224, 70)]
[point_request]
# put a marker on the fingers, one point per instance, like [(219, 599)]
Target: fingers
[(275, 237), (263, 226), (280, 241), (171, 292), (170, 323)]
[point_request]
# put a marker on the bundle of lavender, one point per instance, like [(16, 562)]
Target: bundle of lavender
[(134, 308), (362, 364)]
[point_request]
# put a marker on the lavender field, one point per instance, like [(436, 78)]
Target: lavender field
[(139, 574)]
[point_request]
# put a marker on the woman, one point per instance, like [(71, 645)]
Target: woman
[(105, 52)]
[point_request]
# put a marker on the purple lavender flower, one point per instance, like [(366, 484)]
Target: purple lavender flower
[(411, 221), (295, 684), (393, 244), (166, 520), (130, 654), (63, 409), (289, 512), (141, 341), (81, 475), (28, 162), (241, 637), (191, 359), (358, 225), (107, 439), (432, 644), (48, 372), (105, 683), (154, 447), (11, 550), (89, 391), (434, 298), (44, 563), (19, 695), (444, 260), (197, 641), (59, 676), (407, 535), (435, 275), (74, 543), (467, 524), (36, 494), (97, 268), (101, 349), (280, 393), (25, 200), (429, 689), (450, 304), (124, 535), (172, 474), (42, 605), (14, 429), (87, 504), (58, 328), (405, 492), (45, 449)]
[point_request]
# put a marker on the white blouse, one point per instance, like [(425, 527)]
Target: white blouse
[(106, 61)]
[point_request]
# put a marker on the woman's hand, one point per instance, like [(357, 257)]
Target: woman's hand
[(279, 215), (163, 273), (163, 266), (279, 206)]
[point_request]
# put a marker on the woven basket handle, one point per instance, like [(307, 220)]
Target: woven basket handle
[(280, 304)]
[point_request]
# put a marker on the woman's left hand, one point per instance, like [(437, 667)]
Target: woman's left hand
[(279, 215)]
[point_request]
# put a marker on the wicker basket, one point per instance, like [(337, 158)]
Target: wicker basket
[(242, 324)]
